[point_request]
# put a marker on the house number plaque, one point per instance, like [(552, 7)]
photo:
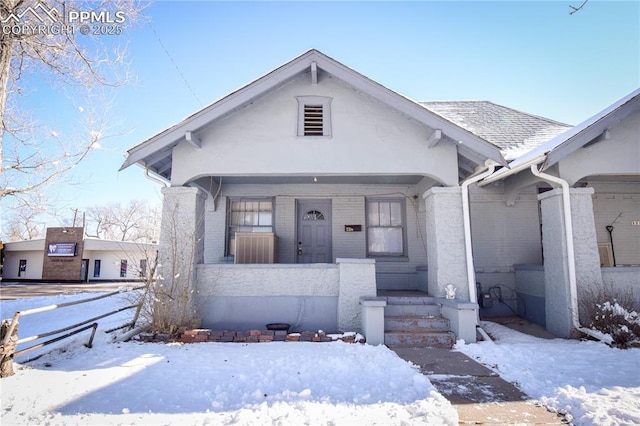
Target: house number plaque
[(352, 228)]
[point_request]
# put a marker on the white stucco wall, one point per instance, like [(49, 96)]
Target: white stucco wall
[(267, 280), (367, 138), (357, 279), (110, 264), (12, 263), (617, 155), (446, 242), (622, 281), (325, 295)]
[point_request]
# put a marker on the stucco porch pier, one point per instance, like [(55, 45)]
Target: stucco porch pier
[(321, 296)]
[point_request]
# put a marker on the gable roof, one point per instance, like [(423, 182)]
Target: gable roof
[(590, 130), (155, 153), (514, 132)]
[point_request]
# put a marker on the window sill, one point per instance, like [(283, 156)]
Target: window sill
[(314, 137)]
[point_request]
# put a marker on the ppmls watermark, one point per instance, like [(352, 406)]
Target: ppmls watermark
[(42, 19)]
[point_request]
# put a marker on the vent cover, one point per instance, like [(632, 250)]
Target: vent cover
[(313, 122)]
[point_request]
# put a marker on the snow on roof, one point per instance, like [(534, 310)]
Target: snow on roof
[(514, 132)]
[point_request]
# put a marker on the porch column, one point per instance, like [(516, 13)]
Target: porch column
[(558, 305), (445, 242), (181, 248)]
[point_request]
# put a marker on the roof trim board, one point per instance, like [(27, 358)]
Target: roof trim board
[(553, 151), (472, 145), (594, 128)]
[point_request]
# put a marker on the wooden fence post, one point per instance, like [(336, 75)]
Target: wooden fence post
[(8, 348)]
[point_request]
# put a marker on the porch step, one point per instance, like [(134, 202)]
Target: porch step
[(404, 310), (411, 300), (414, 339), (416, 321)]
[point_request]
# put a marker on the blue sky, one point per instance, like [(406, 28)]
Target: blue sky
[(532, 56)]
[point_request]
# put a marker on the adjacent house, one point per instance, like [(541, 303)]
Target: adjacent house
[(590, 220), (317, 197)]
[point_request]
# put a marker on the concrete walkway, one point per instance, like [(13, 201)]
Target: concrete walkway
[(479, 395)]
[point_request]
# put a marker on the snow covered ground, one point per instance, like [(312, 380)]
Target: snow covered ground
[(208, 383), (288, 383), (591, 382)]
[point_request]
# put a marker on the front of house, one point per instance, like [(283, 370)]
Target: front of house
[(312, 190)]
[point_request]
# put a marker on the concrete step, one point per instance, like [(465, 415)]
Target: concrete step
[(416, 323), (411, 300), (403, 310), (422, 339)]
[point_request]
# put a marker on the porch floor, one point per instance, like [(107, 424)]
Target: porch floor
[(523, 326)]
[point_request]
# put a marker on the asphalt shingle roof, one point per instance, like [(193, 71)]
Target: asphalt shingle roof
[(513, 131)]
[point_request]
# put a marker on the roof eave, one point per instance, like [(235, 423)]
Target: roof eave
[(592, 128), (283, 73)]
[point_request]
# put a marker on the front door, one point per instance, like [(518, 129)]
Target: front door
[(314, 231), (84, 272)]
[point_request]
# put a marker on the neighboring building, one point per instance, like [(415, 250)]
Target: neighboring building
[(590, 241), (302, 196), (65, 255)]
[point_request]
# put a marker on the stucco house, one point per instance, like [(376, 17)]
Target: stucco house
[(317, 197), (590, 220)]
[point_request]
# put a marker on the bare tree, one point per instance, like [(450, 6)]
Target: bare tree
[(26, 222), (49, 37), (173, 296), (136, 221)]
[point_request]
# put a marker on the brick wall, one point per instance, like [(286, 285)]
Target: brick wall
[(63, 268)]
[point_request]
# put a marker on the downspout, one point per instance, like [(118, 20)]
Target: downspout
[(466, 221), (154, 179), (571, 257)]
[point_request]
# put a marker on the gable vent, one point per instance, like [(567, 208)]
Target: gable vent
[(313, 123)]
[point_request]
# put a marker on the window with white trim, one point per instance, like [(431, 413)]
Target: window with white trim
[(314, 116), (386, 227), (247, 215)]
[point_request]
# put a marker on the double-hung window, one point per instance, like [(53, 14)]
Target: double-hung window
[(248, 215), (386, 227)]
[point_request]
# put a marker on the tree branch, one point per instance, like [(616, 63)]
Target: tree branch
[(575, 9)]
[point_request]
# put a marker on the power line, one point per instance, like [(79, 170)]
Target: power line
[(175, 65)]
